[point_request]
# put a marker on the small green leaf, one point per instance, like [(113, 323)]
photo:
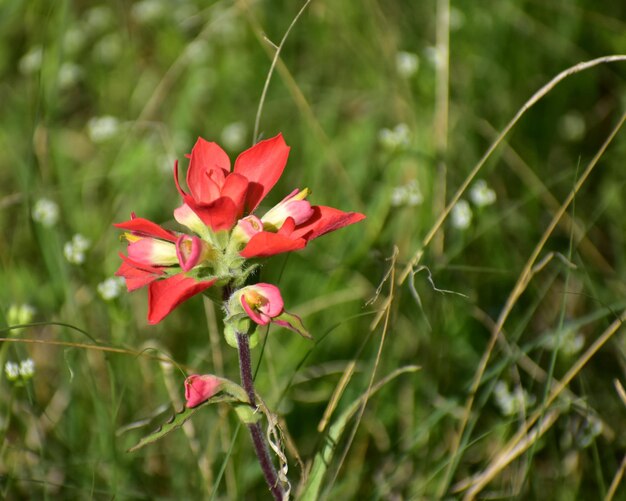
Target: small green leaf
[(293, 322), (177, 420)]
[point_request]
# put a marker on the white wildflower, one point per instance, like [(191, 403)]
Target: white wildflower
[(392, 139), (101, 129), (572, 126), (234, 135), (46, 212), (108, 49), (12, 370), (27, 368), (31, 61), (98, 18), (198, 51), (20, 314), (433, 55), (457, 19), (74, 250), (69, 74), (111, 288), (408, 194), (512, 402), (148, 11), (481, 194), (74, 40), (568, 341), (407, 63), (461, 215)]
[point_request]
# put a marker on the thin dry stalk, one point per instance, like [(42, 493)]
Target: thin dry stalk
[(370, 385), (616, 481), (440, 125), (529, 104), (306, 110), (500, 462), (522, 282), (534, 182)]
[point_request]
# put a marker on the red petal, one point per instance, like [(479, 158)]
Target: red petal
[(262, 165), (206, 158), (165, 295), (266, 244), (324, 220), (136, 277), (147, 228), (221, 214), (235, 187)]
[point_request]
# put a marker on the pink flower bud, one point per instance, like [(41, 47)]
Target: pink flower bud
[(199, 389), (190, 251), (262, 302)]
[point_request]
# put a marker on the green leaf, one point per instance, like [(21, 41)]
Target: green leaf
[(177, 420), (293, 322)]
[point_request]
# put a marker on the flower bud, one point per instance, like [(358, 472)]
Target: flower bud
[(199, 389)]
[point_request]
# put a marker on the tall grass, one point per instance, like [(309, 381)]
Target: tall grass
[(513, 319)]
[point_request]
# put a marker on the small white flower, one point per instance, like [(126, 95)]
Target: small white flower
[(74, 39), (407, 63), (27, 368), (572, 126), (111, 288), (567, 341), (457, 19), (31, 61), (69, 74), (148, 11), (408, 194), (12, 370), (98, 18), (512, 402), (101, 129), (74, 250), (198, 51), (433, 54), (234, 135), (481, 194), (46, 212), (397, 137), (108, 49), (19, 314), (461, 215)]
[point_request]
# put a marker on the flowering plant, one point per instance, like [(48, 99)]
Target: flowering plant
[(220, 208)]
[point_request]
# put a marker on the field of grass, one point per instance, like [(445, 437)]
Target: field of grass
[(468, 338)]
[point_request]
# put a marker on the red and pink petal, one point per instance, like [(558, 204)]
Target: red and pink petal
[(266, 244), (208, 167), (262, 165), (136, 277), (165, 295), (325, 220), (144, 227)]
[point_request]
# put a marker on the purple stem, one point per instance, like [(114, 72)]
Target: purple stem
[(260, 446)]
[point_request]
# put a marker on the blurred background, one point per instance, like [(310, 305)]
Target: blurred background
[(387, 107)]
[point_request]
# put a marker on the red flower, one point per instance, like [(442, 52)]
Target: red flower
[(220, 197), (263, 303), (153, 254)]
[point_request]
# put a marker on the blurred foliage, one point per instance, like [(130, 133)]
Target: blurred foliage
[(99, 99)]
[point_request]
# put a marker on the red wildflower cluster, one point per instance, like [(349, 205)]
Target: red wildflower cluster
[(219, 207)]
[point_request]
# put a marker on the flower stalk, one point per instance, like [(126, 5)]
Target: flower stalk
[(258, 440)]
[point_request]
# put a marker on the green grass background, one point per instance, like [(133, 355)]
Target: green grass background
[(172, 71)]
